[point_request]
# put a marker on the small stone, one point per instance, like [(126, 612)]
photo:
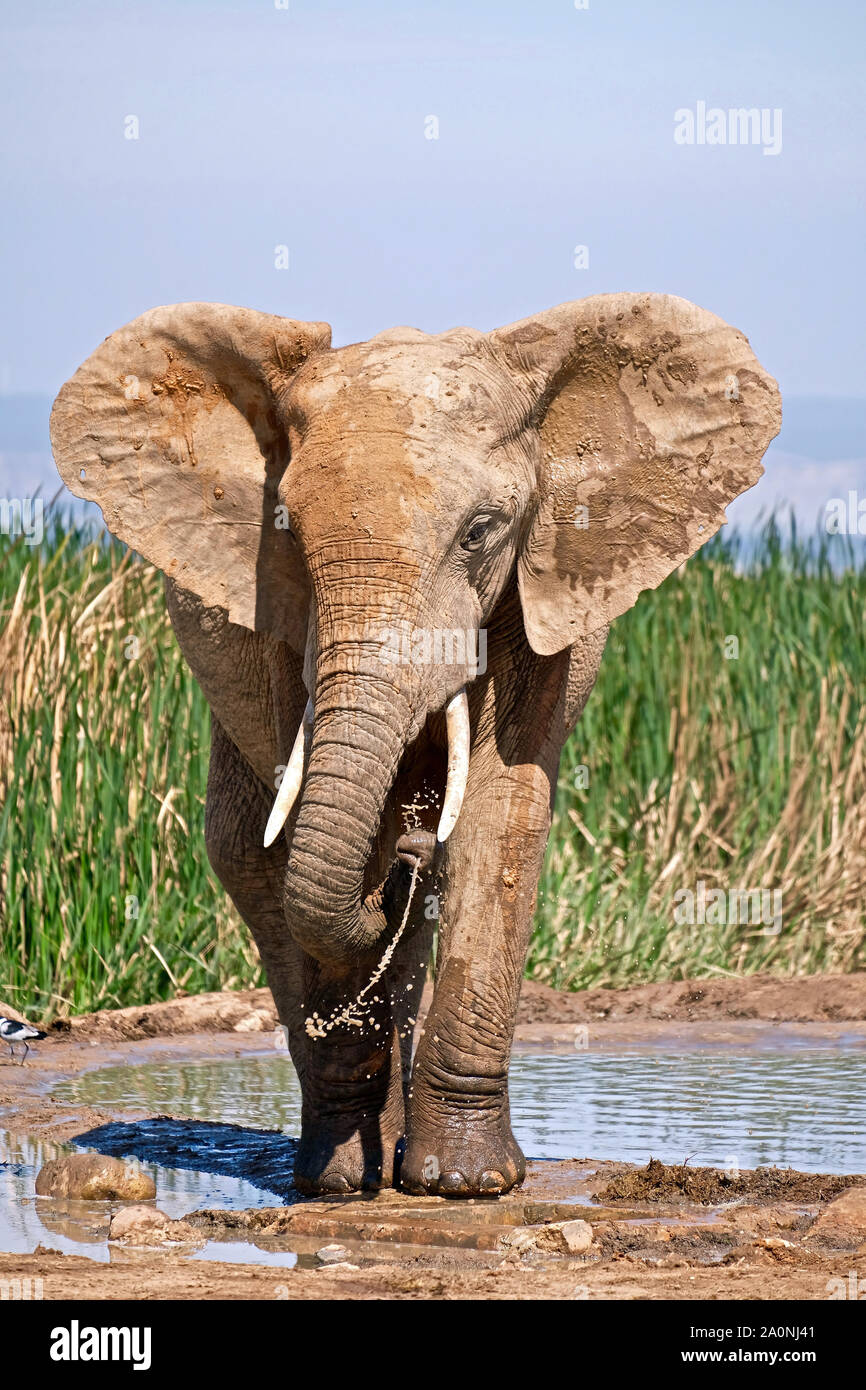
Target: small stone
[(258, 1021), (577, 1235), (94, 1178), (140, 1225), (522, 1238), (332, 1254), (557, 1237)]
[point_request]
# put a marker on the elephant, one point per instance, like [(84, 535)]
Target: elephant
[(342, 530)]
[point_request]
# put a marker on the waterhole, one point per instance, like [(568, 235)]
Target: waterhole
[(81, 1228), (225, 1132), (794, 1107)]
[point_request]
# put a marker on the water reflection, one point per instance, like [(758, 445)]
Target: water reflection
[(76, 1227)]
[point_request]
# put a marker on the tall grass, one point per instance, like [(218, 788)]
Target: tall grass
[(106, 895), (740, 763), (744, 771)]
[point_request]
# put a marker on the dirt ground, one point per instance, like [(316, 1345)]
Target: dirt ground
[(656, 1232), (163, 1276)]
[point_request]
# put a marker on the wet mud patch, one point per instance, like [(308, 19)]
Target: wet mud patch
[(662, 1182), (72, 1226)]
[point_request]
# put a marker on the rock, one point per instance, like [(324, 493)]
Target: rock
[(578, 1236), (94, 1178), (140, 1225), (759, 1221), (557, 1237), (843, 1221), (748, 1254), (259, 1021), (332, 1254)]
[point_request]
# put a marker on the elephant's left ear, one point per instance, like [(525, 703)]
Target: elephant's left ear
[(652, 415), (172, 427)]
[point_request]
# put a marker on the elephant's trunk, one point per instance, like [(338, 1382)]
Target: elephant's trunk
[(360, 732)]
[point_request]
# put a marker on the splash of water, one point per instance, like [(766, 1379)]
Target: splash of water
[(350, 1014)]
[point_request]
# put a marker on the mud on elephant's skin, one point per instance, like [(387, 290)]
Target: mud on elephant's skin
[(307, 502)]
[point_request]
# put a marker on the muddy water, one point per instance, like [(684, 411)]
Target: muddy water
[(800, 1107)]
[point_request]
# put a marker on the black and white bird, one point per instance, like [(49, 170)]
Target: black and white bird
[(12, 1030)]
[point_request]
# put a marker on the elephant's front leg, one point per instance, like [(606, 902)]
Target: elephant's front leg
[(459, 1138), (356, 1059), (353, 1079), (355, 1032)]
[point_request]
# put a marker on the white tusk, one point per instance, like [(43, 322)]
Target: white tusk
[(457, 723), (292, 779)]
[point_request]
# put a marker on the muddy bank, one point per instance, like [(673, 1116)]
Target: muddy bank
[(660, 1182), (811, 998), (755, 998), (167, 1277)]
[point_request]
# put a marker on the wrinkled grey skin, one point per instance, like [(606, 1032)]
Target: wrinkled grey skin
[(429, 483)]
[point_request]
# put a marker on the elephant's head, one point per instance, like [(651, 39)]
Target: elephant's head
[(354, 501)]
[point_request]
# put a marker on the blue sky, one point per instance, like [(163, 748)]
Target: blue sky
[(305, 127)]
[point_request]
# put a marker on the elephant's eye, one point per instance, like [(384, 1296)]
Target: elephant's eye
[(474, 537)]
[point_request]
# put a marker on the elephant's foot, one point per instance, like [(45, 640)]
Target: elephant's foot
[(352, 1078), (331, 1163), (352, 1117), (475, 1156)]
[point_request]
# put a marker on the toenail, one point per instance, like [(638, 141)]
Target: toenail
[(335, 1182), (491, 1181), (452, 1182)]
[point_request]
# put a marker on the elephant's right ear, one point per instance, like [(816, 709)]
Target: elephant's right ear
[(652, 416), (171, 427)]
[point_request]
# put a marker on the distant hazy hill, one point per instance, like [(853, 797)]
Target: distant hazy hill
[(824, 427)]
